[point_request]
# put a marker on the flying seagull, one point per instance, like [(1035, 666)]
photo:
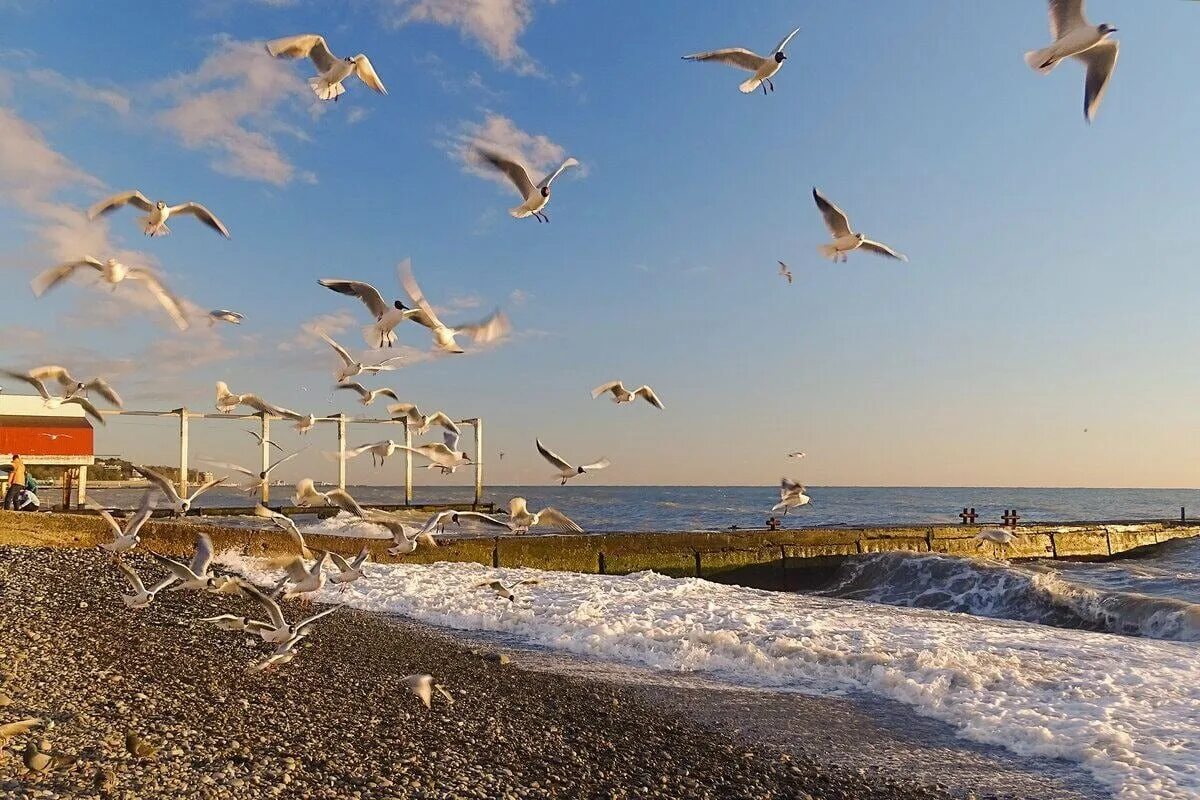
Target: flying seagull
[(422, 422), (366, 396), (379, 451), (791, 495), (278, 630), (180, 505), (141, 596), (1075, 37), (797, 454), (331, 70), (565, 470), (284, 522), (422, 686), (195, 575), (227, 403), (387, 317), (125, 538), (302, 580), (351, 367), (785, 273), (261, 441), (438, 521), (260, 478), (349, 571), (114, 272), (155, 221), (506, 592), (622, 395), (223, 315), (521, 519), (763, 67), (488, 330), (844, 239), (535, 197), (73, 387), (442, 454), (307, 496)]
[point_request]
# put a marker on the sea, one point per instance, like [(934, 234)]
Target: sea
[(1088, 667)]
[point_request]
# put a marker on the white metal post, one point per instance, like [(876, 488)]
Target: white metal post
[(478, 425), (266, 453), (183, 452), (408, 456), (341, 422), (81, 497)]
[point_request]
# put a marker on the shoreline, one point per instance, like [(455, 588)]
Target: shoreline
[(338, 721)]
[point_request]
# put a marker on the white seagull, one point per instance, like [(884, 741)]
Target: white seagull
[(259, 478), (422, 686), (179, 505), (227, 403), (763, 67), (521, 519), (844, 239), (366, 396), (301, 580), (261, 441), (791, 495), (331, 70), (196, 575), (488, 330), (349, 571), (422, 422), (114, 272), (996, 536), (622, 395), (1075, 37), (126, 538), (438, 521), (286, 523), (785, 273), (304, 424), (565, 470), (441, 454), (73, 387), (223, 315), (277, 630), (351, 367), (307, 496), (405, 538), (506, 592), (535, 197), (378, 450), (387, 317), (797, 454), (155, 221), (141, 596)]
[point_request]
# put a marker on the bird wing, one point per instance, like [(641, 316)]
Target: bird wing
[(165, 298), (234, 467), (487, 330), (549, 179), (206, 486), (1065, 15), (87, 407), (203, 214), (24, 378), (296, 570), (515, 171), (595, 465), (517, 506), (784, 43), (607, 387), (478, 518), (342, 499), (204, 554), (553, 519), (144, 512), (882, 249), (738, 57), (270, 606), (341, 351), (418, 297), (385, 393), (177, 568), (554, 459), (53, 372), (310, 45), (47, 279), (354, 386), (117, 200), (339, 562), (649, 395), (300, 626), (284, 460), (366, 73), (1101, 60), (835, 219), (131, 577), (164, 485), (105, 390), (788, 486), (365, 292), (103, 512), (406, 411)]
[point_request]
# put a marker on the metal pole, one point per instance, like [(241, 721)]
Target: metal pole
[(341, 422), (478, 425), (81, 493), (183, 452), (408, 456), (266, 453)]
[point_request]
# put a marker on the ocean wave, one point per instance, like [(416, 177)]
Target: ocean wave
[(1126, 708), (1032, 592)]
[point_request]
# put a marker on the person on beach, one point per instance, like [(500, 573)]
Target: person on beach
[(16, 482)]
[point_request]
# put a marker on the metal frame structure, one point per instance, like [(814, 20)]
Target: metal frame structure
[(343, 423)]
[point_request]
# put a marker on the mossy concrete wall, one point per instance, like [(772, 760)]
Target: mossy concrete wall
[(775, 559)]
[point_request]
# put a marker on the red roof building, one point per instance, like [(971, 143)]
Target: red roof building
[(60, 436)]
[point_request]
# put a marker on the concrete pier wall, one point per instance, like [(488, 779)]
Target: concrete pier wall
[(767, 559)]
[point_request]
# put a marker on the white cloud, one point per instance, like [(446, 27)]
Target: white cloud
[(234, 104), (495, 24), (497, 132), (80, 90), (357, 115), (518, 297)]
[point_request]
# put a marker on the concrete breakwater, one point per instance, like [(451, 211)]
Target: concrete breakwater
[(784, 559)]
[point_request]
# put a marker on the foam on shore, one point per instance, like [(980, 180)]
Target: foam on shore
[(1127, 709)]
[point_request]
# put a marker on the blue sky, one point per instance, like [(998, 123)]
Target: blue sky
[(1051, 286)]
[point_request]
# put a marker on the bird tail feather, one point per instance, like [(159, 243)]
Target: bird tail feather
[(1041, 60), (750, 86), (325, 90), (828, 250), (373, 335)]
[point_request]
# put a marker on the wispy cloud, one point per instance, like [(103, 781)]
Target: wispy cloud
[(233, 104), (537, 152), (496, 24), (80, 90), (357, 115)]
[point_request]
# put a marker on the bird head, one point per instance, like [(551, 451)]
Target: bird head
[(780, 57), (454, 519), (400, 306), (160, 205), (185, 506), (860, 236), (1105, 29), (545, 191), (349, 59)]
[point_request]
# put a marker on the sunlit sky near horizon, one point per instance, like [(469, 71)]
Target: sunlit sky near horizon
[(1041, 335)]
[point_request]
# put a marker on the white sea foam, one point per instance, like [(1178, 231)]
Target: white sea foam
[(1128, 709), (348, 525)]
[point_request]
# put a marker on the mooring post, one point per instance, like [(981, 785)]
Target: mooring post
[(477, 423), (266, 453), (968, 516), (183, 451), (341, 423), (408, 458), (81, 486), (1182, 514)]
